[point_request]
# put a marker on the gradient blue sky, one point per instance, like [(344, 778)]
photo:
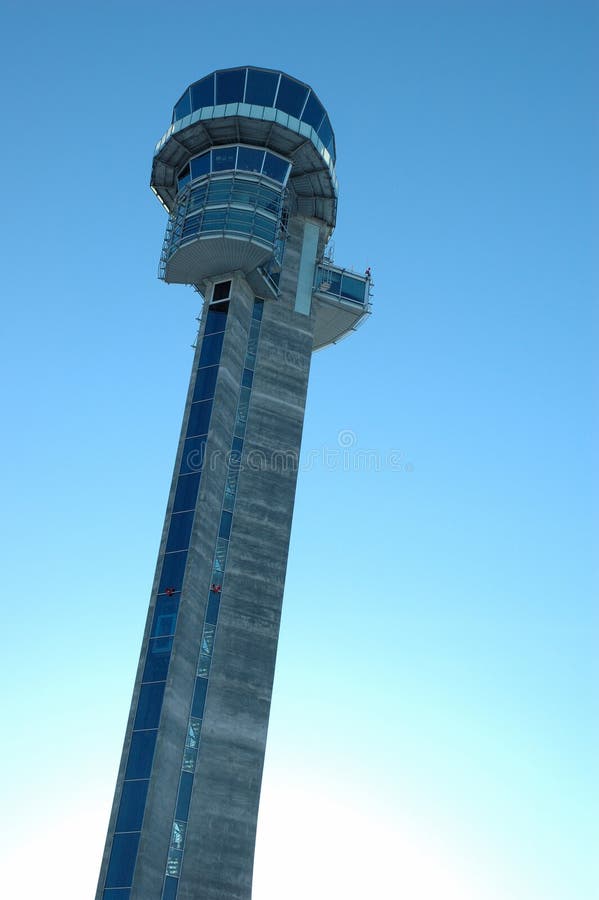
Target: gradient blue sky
[(434, 722)]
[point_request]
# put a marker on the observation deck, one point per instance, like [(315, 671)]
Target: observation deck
[(247, 151)]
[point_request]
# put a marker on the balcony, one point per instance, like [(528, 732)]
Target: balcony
[(342, 300)]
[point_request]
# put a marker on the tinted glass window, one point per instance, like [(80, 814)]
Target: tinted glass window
[(183, 177), (333, 279), (122, 860), (173, 569), (165, 615), (291, 96), (221, 290), (275, 167), (261, 87), (170, 888), (117, 894), (193, 733), (205, 383), (200, 165), (202, 93), (131, 809), (199, 698), (141, 753), (247, 378), (212, 609), (149, 706), (157, 659), (325, 133), (179, 531), (229, 86), (199, 418), (313, 112), (184, 798), (211, 347), (250, 160), (258, 309), (353, 288), (215, 320), (182, 108), (186, 493), (220, 555), (225, 525), (194, 450), (224, 158)]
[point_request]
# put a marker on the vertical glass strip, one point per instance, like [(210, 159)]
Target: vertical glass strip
[(194, 728), (123, 853)]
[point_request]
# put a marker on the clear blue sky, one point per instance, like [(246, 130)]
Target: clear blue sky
[(434, 722)]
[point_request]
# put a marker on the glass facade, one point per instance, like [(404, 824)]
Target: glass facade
[(240, 204), (209, 631), (149, 704), (262, 88), (238, 157)]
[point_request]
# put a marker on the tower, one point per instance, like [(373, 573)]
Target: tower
[(246, 173)]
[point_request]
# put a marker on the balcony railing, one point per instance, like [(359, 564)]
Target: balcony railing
[(343, 284)]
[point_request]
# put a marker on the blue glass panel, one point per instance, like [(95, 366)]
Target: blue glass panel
[(236, 448), (117, 894), (258, 309), (199, 419), (179, 531), (122, 860), (333, 279), (184, 798), (212, 608), (225, 525), (157, 659), (165, 615), (232, 476), (197, 196), (183, 176), (249, 159), (313, 112), (202, 93), (229, 86), (353, 288), (186, 493), (199, 698), (219, 191), (183, 180), (149, 706), (182, 107), (173, 569), (291, 96), (194, 450), (247, 378), (132, 805), (275, 167), (200, 165), (214, 220), (215, 320), (261, 87), (191, 226), (141, 754), (223, 158), (169, 891), (211, 347), (325, 133)]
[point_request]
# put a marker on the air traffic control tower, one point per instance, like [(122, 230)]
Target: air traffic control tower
[(246, 172)]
